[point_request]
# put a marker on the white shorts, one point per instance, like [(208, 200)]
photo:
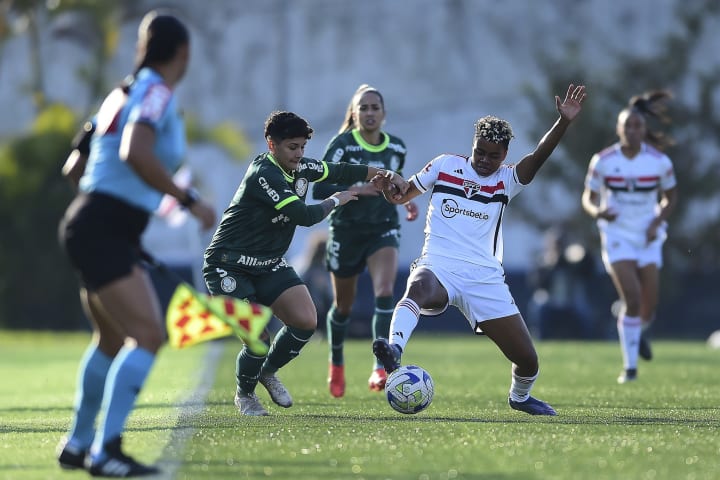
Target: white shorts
[(617, 247), (480, 293)]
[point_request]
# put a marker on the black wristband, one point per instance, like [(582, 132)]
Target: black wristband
[(191, 197)]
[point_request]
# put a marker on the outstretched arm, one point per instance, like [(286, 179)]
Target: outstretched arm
[(392, 192), (568, 110)]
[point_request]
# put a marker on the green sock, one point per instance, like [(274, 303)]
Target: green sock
[(337, 324), (247, 369), (384, 307), (286, 346)]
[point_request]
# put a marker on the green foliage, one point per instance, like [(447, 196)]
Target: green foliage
[(55, 118), (37, 288), (232, 139), (226, 135)]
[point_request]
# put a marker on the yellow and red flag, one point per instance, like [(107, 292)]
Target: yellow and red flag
[(193, 317)]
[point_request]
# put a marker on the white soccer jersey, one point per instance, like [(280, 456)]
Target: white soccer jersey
[(631, 187), (464, 218)]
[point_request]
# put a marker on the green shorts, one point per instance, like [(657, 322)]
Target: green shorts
[(263, 287), (348, 249)]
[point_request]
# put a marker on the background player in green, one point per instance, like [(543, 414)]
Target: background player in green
[(364, 233), (245, 258)]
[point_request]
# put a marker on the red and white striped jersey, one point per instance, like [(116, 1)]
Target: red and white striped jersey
[(464, 218), (631, 187)]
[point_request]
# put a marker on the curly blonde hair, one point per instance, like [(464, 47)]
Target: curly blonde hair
[(494, 130)]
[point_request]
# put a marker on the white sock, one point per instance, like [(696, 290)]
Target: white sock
[(629, 329), (404, 320), (521, 386)]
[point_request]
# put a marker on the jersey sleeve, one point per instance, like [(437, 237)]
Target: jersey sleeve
[(667, 175), (595, 176), (344, 174), (425, 179), (154, 106), (303, 215), (510, 180)]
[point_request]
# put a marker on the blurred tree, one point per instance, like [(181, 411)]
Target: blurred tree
[(37, 286), (26, 19), (96, 26), (694, 239)]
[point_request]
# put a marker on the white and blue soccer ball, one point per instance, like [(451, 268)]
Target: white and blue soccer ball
[(409, 389)]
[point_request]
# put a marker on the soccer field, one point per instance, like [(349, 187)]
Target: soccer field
[(664, 426)]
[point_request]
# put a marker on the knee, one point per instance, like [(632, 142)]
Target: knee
[(417, 289), (305, 320), (150, 338), (310, 324), (384, 287)]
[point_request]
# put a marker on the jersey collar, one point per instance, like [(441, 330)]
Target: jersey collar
[(366, 146), (290, 177)]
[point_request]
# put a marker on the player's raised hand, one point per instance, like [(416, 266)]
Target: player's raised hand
[(572, 105)]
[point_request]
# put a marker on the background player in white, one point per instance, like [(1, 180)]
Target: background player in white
[(630, 189), (461, 261)]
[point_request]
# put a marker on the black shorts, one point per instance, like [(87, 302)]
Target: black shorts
[(101, 236), (262, 287), (347, 250)]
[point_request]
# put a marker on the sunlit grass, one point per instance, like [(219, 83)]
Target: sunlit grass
[(664, 426)]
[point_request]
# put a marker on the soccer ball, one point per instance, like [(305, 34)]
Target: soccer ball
[(409, 389)]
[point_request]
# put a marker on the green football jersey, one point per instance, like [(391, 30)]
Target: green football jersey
[(351, 148), (255, 231)]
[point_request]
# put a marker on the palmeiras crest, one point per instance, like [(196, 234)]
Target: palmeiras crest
[(301, 186)]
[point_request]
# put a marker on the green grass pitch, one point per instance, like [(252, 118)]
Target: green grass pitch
[(664, 426)]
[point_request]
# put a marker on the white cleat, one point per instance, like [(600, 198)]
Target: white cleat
[(277, 390), (249, 404), (626, 376)]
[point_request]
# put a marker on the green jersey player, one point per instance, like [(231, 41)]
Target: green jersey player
[(363, 233), (245, 258)]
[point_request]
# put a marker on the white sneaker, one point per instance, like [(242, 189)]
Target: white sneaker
[(276, 389), (629, 375), (249, 404)]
